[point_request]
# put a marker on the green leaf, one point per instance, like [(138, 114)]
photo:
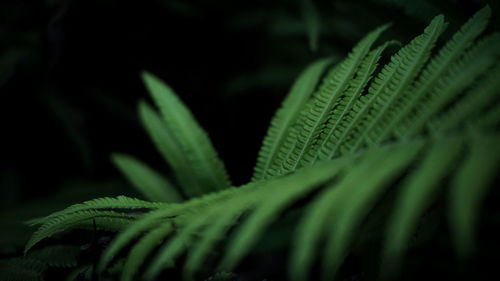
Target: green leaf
[(171, 150), (208, 169), (286, 116), (374, 108), (363, 195), (469, 187), (316, 113), (147, 181), (416, 194), (109, 220), (431, 76)]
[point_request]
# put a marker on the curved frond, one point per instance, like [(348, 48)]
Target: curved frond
[(286, 116), (170, 149), (415, 196), (440, 64), (109, 203), (274, 202), (470, 106), (474, 63), (142, 249), (208, 168), (317, 112), (387, 87), (110, 221), (345, 104), (147, 181), (149, 220), (468, 189)]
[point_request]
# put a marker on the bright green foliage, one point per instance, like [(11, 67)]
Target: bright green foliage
[(170, 149), (120, 202), (318, 109), (106, 220), (146, 180), (344, 105), (285, 117), (431, 75), (423, 128), (208, 169)]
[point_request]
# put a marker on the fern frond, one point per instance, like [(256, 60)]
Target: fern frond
[(468, 189), (208, 168), (215, 220), (74, 220), (222, 216), (349, 132), (275, 201), (440, 64), (324, 209), (149, 182), (345, 104), (142, 249), (387, 87), (474, 63), (362, 199), (474, 101), (415, 196), (334, 84), (170, 149), (287, 115), (109, 203), (149, 220)]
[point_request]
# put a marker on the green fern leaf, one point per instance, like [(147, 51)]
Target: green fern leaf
[(149, 182), (431, 75), (142, 249), (287, 115), (462, 74), (387, 87), (474, 101), (415, 196), (345, 104), (362, 198), (208, 168), (469, 188), (171, 150), (65, 222), (120, 202), (273, 203), (149, 220), (334, 84)]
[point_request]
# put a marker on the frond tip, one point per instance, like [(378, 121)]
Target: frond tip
[(198, 150)]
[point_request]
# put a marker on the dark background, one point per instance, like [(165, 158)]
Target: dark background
[(69, 79)]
